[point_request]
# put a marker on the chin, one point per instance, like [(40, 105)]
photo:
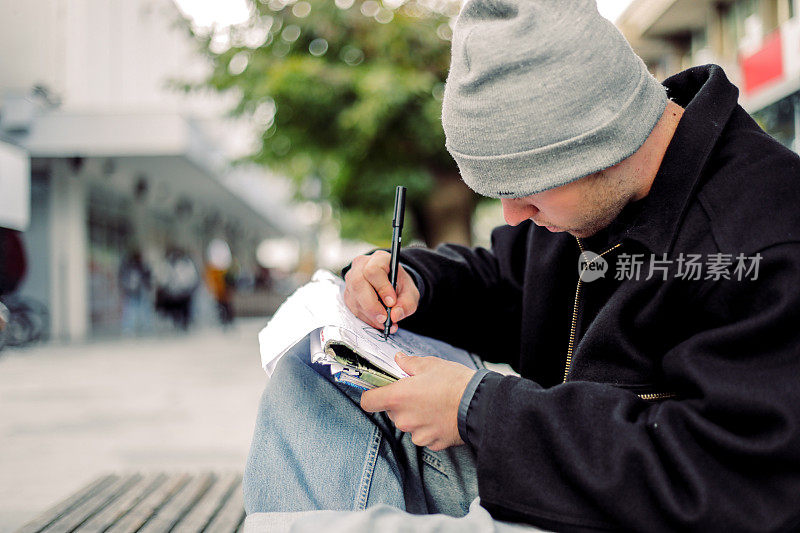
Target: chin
[(582, 234)]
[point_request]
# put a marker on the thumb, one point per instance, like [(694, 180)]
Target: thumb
[(409, 363)]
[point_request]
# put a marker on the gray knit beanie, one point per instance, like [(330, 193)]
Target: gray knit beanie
[(541, 93)]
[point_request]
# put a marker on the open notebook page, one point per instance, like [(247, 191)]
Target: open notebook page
[(320, 304)]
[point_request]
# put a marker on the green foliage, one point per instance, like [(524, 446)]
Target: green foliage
[(342, 97)]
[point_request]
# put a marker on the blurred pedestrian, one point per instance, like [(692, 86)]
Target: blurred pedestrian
[(263, 278), (177, 279), (135, 282), (13, 263), (219, 282), (220, 278)]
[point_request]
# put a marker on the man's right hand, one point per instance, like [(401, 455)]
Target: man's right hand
[(368, 290)]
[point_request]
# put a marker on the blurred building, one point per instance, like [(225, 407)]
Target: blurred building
[(116, 159), (757, 42)]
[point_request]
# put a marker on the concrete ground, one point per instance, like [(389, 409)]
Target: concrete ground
[(69, 413)]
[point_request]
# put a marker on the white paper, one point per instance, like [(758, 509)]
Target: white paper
[(320, 304), (318, 353)]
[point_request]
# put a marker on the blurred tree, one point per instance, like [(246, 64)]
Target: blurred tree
[(348, 94)]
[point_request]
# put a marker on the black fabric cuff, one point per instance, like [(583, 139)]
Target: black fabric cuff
[(470, 393), (478, 410), (418, 281)]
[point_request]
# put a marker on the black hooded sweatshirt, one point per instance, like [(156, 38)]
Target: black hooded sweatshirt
[(643, 404)]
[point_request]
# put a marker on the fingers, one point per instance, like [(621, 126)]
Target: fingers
[(376, 272), (412, 365), (376, 400), (386, 398), (401, 421), (360, 296), (368, 291), (352, 303), (420, 438), (372, 312), (407, 295)]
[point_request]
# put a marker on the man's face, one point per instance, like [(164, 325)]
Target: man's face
[(581, 208)]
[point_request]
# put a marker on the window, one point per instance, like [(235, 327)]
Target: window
[(743, 10), (778, 119)]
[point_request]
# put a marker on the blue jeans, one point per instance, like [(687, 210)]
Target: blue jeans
[(314, 448)]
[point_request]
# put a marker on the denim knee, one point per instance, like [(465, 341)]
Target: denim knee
[(304, 422)]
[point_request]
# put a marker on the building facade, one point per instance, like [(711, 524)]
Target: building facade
[(757, 42), (116, 159)]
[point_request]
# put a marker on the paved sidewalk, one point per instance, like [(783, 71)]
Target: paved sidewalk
[(70, 413)]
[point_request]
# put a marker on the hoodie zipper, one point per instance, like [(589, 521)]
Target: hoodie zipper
[(657, 396), (571, 347)]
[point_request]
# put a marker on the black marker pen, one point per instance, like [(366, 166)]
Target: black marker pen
[(397, 231)]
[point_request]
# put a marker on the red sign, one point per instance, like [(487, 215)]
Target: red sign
[(764, 66)]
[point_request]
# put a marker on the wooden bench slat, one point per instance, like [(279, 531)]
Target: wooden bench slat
[(205, 509), (169, 515), (90, 506), (231, 515), (124, 503), (144, 509), (149, 503), (59, 509)]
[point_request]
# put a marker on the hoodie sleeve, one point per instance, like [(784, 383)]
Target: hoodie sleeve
[(471, 291), (724, 455)]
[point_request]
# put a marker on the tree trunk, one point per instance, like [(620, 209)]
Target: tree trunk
[(446, 215)]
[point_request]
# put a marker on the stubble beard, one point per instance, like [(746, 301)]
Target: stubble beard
[(607, 197)]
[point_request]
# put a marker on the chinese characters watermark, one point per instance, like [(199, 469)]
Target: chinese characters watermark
[(714, 267)]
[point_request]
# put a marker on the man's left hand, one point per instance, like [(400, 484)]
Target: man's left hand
[(424, 404)]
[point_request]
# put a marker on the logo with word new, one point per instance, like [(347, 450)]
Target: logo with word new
[(591, 266)]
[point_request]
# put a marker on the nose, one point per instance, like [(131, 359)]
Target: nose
[(516, 210)]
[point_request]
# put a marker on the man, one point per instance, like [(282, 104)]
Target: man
[(645, 290)]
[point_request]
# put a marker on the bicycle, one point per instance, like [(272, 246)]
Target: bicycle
[(27, 322), (5, 317)]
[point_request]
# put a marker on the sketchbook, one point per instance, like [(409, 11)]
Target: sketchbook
[(356, 353)]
